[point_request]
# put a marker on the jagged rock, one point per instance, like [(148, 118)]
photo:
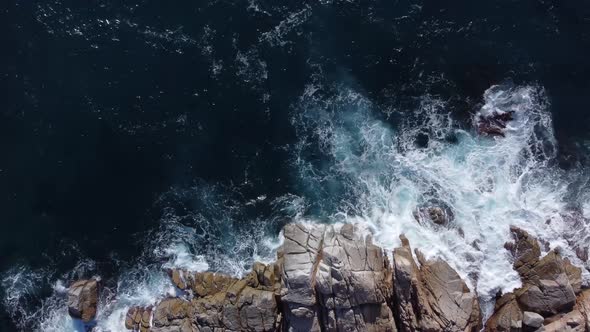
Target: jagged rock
[(221, 302), (354, 283), (141, 319), (133, 318), (578, 319), (173, 314), (546, 287), (329, 278), (532, 319), (525, 249), (574, 275), (507, 315), (300, 258), (549, 289), (334, 279), (494, 124), (83, 299), (432, 297)]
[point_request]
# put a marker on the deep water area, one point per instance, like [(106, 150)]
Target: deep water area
[(138, 135)]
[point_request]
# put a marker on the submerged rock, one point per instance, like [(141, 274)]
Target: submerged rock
[(435, 214), (83, 299), (494, 124), (577, 233)]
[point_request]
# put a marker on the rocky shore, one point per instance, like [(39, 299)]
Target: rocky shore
[(330, 278)]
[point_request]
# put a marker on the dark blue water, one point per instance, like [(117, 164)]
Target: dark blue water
[(106, 105)]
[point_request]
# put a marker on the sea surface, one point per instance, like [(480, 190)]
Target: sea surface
[(138, 135)]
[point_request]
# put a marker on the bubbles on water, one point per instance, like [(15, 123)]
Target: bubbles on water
[(20, 284), (357, 167), (100, 25), (251, 68), (277, 37), (26, 301)]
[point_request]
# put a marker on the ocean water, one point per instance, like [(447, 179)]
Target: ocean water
[(138, 136)]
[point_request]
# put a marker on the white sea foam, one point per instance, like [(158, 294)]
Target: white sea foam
[(353, 166), (372, 172), (209, 232)]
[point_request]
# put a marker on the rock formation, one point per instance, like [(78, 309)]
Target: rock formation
[(494, 124), (325, 279), (435, 214), (334, 280), (220, 302), (83, 299), (551, 297), (432, 297), (329, 278)]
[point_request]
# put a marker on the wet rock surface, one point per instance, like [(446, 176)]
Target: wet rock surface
[(551, 297), (83, 299), (431, 297), (439, 215), (326, 278), (495, 123), (335, 280), (329, 278)]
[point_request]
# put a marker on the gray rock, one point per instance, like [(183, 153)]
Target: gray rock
[(507, 315), (335, 278), (299, 257), (547, 287), (432, 297), (532, 319)]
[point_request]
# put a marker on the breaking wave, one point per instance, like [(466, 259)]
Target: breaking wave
[(356, 163), (378, 171)]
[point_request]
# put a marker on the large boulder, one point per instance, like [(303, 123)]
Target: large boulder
[(335, 279), (432, 297), (83, 299), (547, 289), (173, 315), (300, 255), (507, 315), (576, 320), (532, 319)]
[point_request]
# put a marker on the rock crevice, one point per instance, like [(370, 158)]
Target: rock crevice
[(551, 297), (326, 278), (330, 278)]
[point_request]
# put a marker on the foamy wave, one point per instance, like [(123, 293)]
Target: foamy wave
[(354, 166), (203, 227), (373, 171)]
